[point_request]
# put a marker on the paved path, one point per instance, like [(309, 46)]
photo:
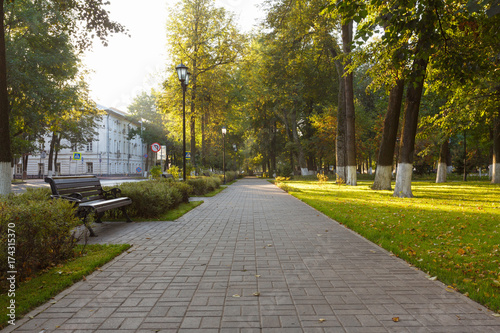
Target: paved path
[(199, 274)]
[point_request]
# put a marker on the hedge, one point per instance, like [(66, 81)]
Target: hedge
[(153, 198), (204, 185), (42, 232)]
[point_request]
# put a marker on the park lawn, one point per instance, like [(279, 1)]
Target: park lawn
[(449, 230), (42, 287)]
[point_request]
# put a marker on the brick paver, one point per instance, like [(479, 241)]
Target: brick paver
[(254, 259)]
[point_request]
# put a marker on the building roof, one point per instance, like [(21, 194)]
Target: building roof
[(117, 113)]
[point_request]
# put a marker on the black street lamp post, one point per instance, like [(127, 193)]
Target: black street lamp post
[(224, 152), (182, 72)]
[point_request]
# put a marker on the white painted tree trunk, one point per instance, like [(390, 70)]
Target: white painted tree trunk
[(5, 178), (383, 177), (495, 176), (403, 181), (352, 177), (490, 171), (442, 171), (341, 171)]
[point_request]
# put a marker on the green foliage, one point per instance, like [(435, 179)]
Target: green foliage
[(156, 171), (285, 170), (230, 176), (203, 185), (42, 233), (322, 178), (175, 172), (152, 198)]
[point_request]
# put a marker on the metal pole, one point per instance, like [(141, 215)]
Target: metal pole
[(183, 131), (224, 156)]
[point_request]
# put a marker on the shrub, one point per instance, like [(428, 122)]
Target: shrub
[(153, 198), (281, 179), (155, 171), (43, 233), (175, 172), (230, 176), (204, 185), (285, 170), (322, 179)]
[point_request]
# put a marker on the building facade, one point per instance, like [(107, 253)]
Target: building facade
[(110, 153)]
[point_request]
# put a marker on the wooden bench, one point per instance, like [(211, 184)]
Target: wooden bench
[(88, 196)]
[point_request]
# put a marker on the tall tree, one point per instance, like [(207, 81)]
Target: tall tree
[(205, 37), (5, 152), (80, 19)]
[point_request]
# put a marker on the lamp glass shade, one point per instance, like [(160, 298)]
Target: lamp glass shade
[(181, 72), (224, 130), (188, 75)]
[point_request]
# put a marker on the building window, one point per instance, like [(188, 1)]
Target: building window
[(19, 169), (58, 168), (89, 146), (90, 167)]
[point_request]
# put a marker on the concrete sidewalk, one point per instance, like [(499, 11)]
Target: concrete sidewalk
[(254, 259)]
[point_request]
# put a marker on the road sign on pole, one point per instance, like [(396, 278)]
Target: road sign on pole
[(188, 155), (155, 147)]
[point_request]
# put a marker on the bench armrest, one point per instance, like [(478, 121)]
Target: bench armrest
[(114, 192)]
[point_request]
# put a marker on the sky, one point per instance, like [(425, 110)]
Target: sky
[(131, 65)]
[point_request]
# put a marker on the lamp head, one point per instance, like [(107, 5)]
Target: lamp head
[(182, 72)]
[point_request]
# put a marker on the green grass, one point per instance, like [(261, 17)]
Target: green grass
[(41, 288), (180, 211), (449, 230)]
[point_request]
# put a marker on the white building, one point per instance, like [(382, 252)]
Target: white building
[(111, 153)]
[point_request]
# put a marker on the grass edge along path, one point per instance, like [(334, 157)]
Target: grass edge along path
[(451, 231), (46, 285)]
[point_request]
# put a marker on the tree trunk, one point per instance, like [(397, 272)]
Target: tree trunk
[(349, 110), (50, 162), (340, 142), (296, 139), (193, 136), (495, 177), (5, 149), (203, 139), (273, 148), (25, 165), (390, 132), (407, 149), (465, 157), (56, 154), (442, 169)]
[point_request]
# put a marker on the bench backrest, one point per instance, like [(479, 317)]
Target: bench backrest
[(88, 186)]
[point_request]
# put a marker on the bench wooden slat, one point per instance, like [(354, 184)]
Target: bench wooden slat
[(79, 184), (83, 192)]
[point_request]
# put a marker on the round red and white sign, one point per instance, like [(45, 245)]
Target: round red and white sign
[(155, 147)]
